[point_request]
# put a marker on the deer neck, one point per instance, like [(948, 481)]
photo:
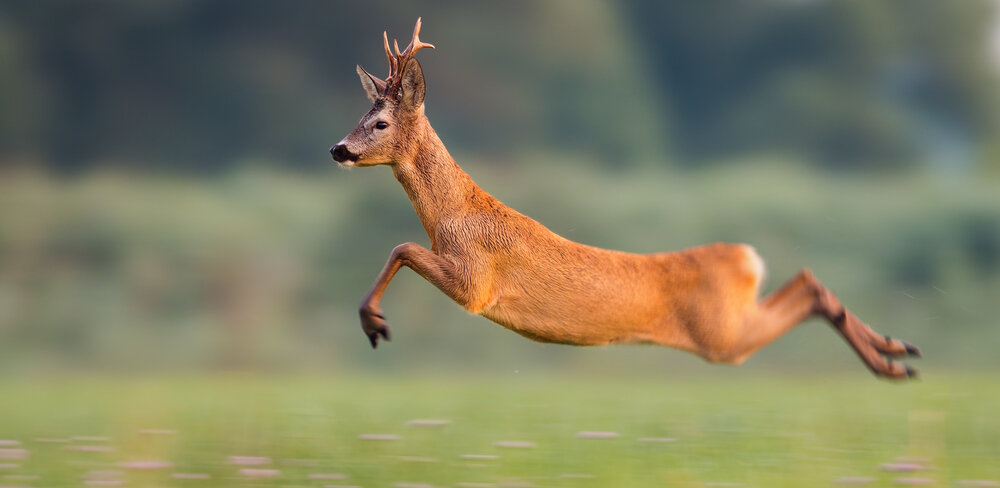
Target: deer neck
[(436, 185)]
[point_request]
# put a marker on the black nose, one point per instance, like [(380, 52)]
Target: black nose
[(339, 153)]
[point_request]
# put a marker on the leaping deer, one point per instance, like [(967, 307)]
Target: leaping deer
[(498, 263)]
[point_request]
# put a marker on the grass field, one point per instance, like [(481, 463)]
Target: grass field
[(566, 431)]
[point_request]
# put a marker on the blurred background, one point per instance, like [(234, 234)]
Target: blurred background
[(168, 204)]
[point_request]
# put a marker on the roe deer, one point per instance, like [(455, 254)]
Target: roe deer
[(498, 263)]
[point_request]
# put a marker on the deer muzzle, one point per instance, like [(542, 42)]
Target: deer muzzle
[(340, 153)]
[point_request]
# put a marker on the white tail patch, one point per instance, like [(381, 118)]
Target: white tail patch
[(754, 264)]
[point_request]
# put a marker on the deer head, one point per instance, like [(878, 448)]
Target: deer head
[(386, 133)]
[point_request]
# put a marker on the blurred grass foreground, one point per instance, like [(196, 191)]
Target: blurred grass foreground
[(517, 431)]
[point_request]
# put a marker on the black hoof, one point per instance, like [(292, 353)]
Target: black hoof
[(373, 337), (373, 324)]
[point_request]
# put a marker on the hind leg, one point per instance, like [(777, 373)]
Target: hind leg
[(803, 297)]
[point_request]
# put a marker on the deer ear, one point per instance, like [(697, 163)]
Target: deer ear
[(372, 85), (413, 85)]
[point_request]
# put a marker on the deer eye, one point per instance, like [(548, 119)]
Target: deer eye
[(381, 125)]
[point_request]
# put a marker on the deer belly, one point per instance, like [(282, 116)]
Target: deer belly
[(585, 316), (616, 298)]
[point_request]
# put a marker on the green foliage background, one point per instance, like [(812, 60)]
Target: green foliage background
[(264, 270), (167, 203), (204, 86)]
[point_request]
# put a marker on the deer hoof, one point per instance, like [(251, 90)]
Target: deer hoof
[(373, 324), (894, 371), (895, 348)]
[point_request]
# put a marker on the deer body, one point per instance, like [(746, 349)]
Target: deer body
[(507, 267), (501, 258)]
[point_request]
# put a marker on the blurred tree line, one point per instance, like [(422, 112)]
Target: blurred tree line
[(202, 86)]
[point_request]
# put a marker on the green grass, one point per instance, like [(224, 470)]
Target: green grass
[(801, 431)]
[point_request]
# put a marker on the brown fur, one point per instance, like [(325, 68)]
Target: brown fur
[(498, 263)]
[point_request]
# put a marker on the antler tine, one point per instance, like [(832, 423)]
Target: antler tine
[(388, 55), (398, 60), (415, 43)]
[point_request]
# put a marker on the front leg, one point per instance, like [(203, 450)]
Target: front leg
[(433, 268)]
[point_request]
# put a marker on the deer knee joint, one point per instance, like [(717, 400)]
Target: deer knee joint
[(827, 303), (401, 251)]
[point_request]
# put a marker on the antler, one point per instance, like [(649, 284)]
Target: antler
[(397, 61)]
